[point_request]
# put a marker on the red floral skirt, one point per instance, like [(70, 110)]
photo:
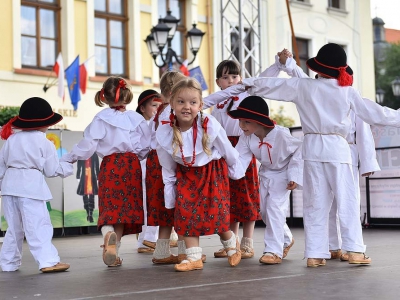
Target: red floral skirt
[(120, 192), (202, 204), (157, 214), (245, 195)]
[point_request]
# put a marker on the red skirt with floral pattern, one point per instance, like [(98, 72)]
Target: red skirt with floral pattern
[(120, 192), (157, 214), (202, 204), (245, 193)]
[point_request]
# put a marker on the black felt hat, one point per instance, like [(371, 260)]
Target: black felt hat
[(253, 108), (331, 61), (36, 113)]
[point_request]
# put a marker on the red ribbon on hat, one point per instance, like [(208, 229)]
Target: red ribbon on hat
[(121, 84), (7, 130), (344, 78)]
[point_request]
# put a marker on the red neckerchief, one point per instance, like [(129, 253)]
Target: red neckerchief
[(222, 105), (268, 147), (118, 107)]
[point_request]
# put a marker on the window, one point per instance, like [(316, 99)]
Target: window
[(338, 4), (247, 46), (40, 33), (111, 37), (302, 47)]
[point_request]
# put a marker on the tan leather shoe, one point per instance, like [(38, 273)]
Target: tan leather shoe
[(221, 253), (246, 252), (117, 263), (145, 250), (189, 266), (316, 262), (359, 258), (270, 259), (172, 259), (59, 267), (110, 248), (182, 257), (149, 244), (287, 248), (335, 254), (344, 257), (236, 257)]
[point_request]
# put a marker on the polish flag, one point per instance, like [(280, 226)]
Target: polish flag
[(58, 68), (83, 76), (183, 68)]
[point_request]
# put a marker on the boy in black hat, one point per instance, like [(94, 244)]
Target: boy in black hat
[(324, 105), (26, 157), (281, 169)]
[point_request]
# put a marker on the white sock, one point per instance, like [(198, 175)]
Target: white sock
[(181, 247), (193, 253), (162, 249), (105, 229), (246, 243), (231, 243)]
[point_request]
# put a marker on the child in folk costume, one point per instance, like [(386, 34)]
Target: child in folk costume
[(280, 172), (195, 155), (148, 103), (25, 159), (323, 105), (121, 138), (245, 198), (363, 157)]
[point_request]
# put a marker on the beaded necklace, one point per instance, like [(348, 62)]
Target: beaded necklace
[(189, 164), (221, 105)]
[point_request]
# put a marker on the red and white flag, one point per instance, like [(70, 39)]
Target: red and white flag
[(83, 76), (58, 68), (183, 68)]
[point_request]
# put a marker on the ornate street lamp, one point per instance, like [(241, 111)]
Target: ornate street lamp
[(163, 33), (396, 87), (380, 95)]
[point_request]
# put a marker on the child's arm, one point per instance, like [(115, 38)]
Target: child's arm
[(366, 149), (168, 175), (296, 164), (3, 166), (231, 155), (220, 96), (140, 139), (245, 154), (52, 167)]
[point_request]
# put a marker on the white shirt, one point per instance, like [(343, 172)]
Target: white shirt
[(218, 142), (283, 155), (25, 159), (112, 131), (324, 109)]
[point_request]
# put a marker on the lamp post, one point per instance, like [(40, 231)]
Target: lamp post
[(163, 33), (396, 87), (380, 95)]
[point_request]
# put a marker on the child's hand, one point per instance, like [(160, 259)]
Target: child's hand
[(284, 55), (367, 174), (291, 185)]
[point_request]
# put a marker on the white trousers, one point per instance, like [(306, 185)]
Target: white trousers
[(274, 205), (321, 181), (30, 218), (335, 239)]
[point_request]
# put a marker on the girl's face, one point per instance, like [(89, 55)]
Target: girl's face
[(186, 105), (227, 80), (250, 127), (149, 109)]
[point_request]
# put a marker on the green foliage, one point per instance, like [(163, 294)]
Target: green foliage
[(6, 113), (391, 67), (280, 118)]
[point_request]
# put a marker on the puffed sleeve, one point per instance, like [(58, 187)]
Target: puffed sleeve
[(220, 96), (231, 155), (169, 176), (245, 154), (140, 139), (88, 145)]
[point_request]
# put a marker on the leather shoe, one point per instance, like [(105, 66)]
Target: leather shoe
[(246, 252), (287, 248), (110, 248), (236, 257), (189, 265), (359, 258), (59, 267), (145, 250), (149, 244), (221, 253), (172, 259), (344, 257), (335, 254), (316, 262), (182, 257), (270, 259)]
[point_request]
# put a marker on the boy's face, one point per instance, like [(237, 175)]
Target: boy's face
[(250, 127), (149, 109), (227, 80)]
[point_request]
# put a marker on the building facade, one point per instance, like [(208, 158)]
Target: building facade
[(110, 35)]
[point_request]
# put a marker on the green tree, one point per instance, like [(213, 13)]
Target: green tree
[(6, 113), (280, 118), (391, 70)]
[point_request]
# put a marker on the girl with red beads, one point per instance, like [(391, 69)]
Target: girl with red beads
[(196, 156), (121, 138)]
